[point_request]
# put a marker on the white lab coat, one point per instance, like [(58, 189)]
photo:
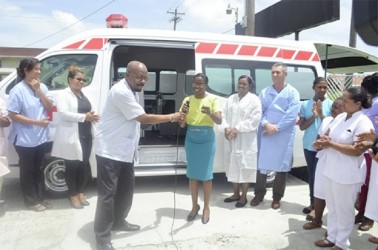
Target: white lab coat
[(67, 143), (240, 154), (3, 143)]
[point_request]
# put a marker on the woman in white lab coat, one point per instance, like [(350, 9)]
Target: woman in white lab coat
[(4, 122), (73, 136), (241, 117)]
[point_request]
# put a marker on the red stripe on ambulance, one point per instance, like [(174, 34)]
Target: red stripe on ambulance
[(267, 51), (227, 49), (303, 55), (247, 50), (315, 58), (74, 45), (286, 53), (206, 48), (255, 50), (94, 43)]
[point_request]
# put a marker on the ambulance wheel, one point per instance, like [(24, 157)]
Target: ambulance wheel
[(55, 183)]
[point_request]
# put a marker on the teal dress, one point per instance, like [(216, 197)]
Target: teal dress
[(200, 151)]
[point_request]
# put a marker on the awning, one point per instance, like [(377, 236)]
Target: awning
[(338, 59)]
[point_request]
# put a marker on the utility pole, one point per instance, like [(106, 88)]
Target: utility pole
[(250, 14), (176, 18), (352, 32)]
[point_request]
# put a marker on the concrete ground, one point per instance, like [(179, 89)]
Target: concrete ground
[(160, 208)]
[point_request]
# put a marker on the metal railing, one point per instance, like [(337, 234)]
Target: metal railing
[(339, 82)]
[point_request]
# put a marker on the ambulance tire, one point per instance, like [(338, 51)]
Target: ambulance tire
[(53, 171)]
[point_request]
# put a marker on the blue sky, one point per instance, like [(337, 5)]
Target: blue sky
[(28, 23)]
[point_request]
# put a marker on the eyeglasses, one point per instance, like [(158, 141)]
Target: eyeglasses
[(81, 79), (141, 78), (195, 83)]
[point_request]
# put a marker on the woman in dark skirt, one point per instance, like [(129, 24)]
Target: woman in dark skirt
[(202, 111)]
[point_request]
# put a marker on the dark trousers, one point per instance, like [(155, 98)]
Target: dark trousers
[(115, 186), (279, 185), (31, 175), (77, 172), (311, 161)]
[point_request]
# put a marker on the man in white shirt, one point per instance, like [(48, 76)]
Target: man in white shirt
[(116, 142)]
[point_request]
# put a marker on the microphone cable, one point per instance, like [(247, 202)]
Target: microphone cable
[(187, 104), (175, 186)]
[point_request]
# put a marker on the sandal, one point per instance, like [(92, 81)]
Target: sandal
[(46, 204), (324, 243), (373, 239), (38, 208)]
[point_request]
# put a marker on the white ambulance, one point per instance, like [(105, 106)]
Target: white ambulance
[(172, 58)]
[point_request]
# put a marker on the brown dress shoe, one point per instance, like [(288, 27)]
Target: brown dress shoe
[(276, 204), (312, 225), (324, 243), (256, 201), (366, 225)]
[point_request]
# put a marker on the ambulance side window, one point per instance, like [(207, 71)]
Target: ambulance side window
[(54, 69), (189, 75), (223, 76)]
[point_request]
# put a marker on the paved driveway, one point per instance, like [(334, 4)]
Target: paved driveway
[(160, 208)]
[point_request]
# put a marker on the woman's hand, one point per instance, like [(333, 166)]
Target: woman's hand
[(35, 84), (92, 117), (233, 133), (367, 136), (206, 110), (362, 145), (322, 142), (227, 132), (315, 110), (43, 122)]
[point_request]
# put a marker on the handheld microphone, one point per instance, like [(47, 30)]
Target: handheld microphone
[(186, 106)]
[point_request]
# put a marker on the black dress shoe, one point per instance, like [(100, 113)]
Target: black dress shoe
[(191, 216), (125, 226), (240, 204), (205, 220), (230, 199), (308, 209), (104, 246)]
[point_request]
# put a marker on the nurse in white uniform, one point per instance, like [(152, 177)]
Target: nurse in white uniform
[(344, 172)]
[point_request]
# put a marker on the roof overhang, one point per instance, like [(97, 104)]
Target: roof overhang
[(338, 59)]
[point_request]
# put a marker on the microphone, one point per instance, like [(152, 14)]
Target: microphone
[(186, 107)]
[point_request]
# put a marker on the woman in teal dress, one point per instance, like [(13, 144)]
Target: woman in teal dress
[(202, 111)]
